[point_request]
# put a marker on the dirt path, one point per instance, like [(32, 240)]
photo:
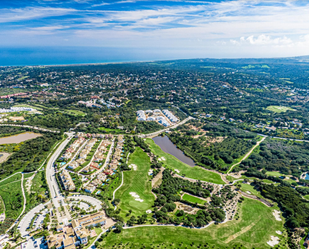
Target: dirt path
[(246, 229), (4, 156), (247, 155), (157, 178)]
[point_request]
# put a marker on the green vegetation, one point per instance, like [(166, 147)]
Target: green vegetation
[(279, 109), (29, 155), (38, 191), (13, 201), (136, 181), (252, 230), (29, 106), (193, 199), (109, 130), (2, 206), (184, 169), (74, 112)]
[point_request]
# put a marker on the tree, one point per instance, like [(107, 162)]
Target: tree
[(118, 227)]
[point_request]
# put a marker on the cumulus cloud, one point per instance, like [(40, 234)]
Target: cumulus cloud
[(263, 40)]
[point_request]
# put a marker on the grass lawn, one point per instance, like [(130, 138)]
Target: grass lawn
[(195, 172), (2, 207), (252, 230), (250, 188), (137, 181), (279, 109), (13, 178), (274, 173), (75, 112), (193, 199), (30, 106), (13, 199), (306, 197), (117, 131)]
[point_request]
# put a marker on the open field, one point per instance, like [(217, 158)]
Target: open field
[(279, 109), (13, 199), (136, 181), (274, 173), (29, 106), (117, 131), (193, 199), (75, 112), (252, 230), (13, 178), (2, 207), (195, 172)]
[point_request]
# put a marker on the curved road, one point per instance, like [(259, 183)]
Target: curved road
[(54, 190)]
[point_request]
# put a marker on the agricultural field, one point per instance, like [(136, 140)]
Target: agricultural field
[(279, 109), (195, 172), (136, 183), (193, 199), (252, 229)]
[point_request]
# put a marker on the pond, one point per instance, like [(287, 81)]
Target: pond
[(19, 138), (167, 146)]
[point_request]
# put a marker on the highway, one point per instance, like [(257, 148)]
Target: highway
[(54, 190)]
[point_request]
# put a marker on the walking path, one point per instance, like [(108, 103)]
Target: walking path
[(247, 155), (24, 206), (31, 127), (166, 129), (118, 188)]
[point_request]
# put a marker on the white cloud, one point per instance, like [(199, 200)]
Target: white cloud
[(263, 40), (15, 15)]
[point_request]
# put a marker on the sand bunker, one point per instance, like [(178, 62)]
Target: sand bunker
[(148, 211), (177, 170), (248, 192), (273, 241), (150, 171), (133, 166), (279, 232), (136, 196), (276, 213), (161, 159)]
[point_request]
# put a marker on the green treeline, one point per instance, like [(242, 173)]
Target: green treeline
[(279, 155), (29, 155), (168, 193)]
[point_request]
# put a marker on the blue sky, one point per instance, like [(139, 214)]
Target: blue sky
[(175, 29)]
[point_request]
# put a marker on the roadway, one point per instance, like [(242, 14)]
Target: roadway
[(54, 190), (166, 129)]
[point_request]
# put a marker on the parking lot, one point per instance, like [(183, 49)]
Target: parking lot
[(95, 202), (34, 244), (25, 222)]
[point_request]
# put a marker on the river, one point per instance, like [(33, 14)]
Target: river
[(167, 146), (19, 138)]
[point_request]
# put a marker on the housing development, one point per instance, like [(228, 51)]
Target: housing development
[(170, 154)]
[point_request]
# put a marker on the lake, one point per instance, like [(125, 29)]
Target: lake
[(167, 146), (19, 138)]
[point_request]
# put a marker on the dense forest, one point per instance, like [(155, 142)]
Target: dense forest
[(287, 157), (168, 194), (29, 155), (213, 155)]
